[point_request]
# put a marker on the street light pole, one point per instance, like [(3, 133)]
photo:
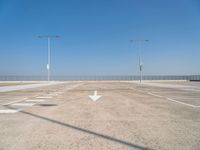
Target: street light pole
[(140, 57), (49, 53), (49, 57)]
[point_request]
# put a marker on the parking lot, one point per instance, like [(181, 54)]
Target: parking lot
[(128, 115)]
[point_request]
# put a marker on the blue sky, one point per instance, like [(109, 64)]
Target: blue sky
[(95, 36)]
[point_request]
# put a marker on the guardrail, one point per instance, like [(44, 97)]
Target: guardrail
[(100, 78)]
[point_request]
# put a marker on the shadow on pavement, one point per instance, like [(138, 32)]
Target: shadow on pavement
[(107, 137)]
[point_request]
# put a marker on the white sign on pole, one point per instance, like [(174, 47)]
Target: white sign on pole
[(47, 66)]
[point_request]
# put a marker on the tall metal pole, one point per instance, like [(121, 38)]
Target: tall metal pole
[(49, 57), (140, 61), (49, 53), (140, 57)]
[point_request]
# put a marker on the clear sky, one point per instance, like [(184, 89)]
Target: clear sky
[(95, 36)]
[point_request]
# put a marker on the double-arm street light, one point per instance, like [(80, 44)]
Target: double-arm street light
[(140, 42), (49, 37)]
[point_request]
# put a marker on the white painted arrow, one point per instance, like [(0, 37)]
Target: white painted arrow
[(95, 97)]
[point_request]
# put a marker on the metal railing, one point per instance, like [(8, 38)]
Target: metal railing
[(100, 78)]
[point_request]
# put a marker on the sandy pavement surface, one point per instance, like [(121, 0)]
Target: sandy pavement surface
[(127, 116)]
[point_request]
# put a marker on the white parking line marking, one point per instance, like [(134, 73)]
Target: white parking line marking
[(14, 102), (7, 111), (154, 94), (194, 106), (182, 103), (35, 100), (58, 92), (53, 94), (45, 97), (24, 104)]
